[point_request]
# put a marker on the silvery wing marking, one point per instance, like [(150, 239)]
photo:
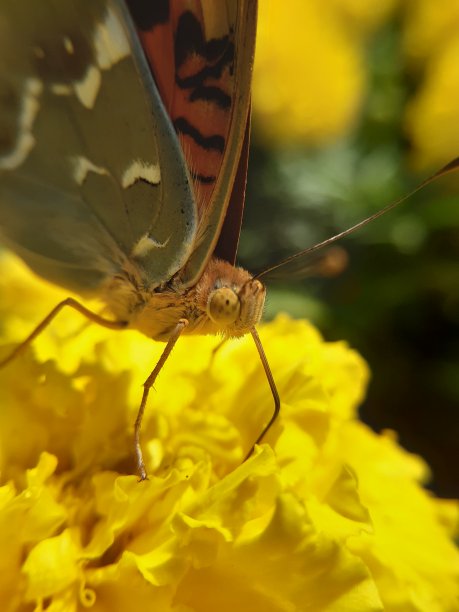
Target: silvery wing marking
[(91, 172)]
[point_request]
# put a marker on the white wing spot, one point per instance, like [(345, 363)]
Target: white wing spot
[(68, 45), (145, 244), (82, 166), (110, 42), (88, 88), (25, 141), (140, 170)]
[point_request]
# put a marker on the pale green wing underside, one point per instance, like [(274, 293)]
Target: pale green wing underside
[(91, 172)]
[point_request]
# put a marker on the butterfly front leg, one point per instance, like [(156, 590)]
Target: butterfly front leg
[(72, 303), (174, 336)]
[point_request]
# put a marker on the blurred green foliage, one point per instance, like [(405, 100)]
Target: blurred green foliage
[(397, 302)]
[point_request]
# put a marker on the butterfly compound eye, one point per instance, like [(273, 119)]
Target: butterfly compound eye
[(223, 306)]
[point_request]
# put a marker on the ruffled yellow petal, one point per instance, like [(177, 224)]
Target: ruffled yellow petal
[(51, 566)]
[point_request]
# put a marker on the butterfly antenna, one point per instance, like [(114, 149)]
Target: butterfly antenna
[(451, 167)]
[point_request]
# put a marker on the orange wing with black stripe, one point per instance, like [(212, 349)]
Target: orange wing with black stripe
[(201, 55)]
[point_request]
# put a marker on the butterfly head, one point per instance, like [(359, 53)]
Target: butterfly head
[(224, 306), (233, 299)]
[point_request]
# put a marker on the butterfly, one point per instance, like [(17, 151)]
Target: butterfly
[(124, 134)]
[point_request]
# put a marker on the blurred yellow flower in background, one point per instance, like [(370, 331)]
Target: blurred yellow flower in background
[(431, 41), (326, 516), (311, 71), (309, 76)]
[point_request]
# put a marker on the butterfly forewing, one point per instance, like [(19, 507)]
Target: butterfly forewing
[(91, 173)]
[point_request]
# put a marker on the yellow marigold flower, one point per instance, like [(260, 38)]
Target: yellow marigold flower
[(326, 515), (309, 75), (432, 42)]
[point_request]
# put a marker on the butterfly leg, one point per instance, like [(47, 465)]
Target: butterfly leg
[(272, 386), (175, 335), (72, 303)]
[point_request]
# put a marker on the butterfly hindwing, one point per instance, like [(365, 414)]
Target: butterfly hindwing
[(203, 73), (91, 171)]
